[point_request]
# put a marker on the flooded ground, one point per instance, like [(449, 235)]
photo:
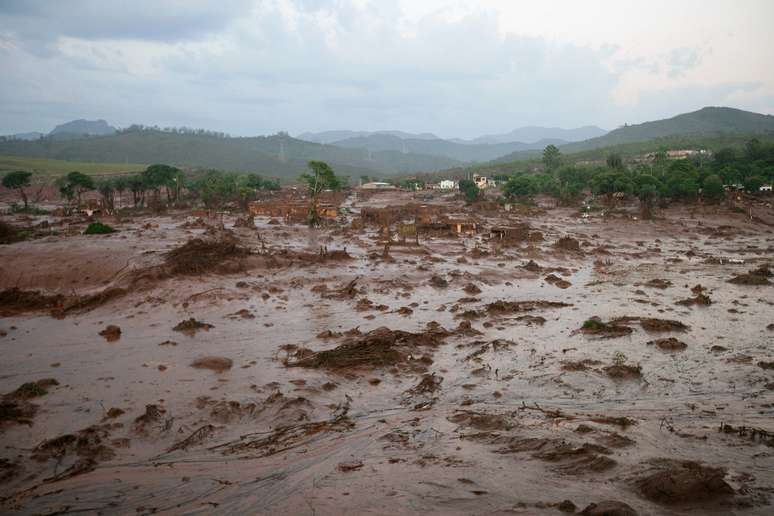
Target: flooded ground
[(327, 373)]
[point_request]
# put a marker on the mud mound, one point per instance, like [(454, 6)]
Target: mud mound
[(609, 330), (759, 276), (623, 371), (472, 289), (191, 326), (153, 421), (378, 348), (658, 283), (217, 364), (675, 481), (33, 389), (199, 256), (670, 344), (14, 300), (198, 223), (700, 299), (608, 508), (8, 234), (507, 307), (568, 244), (571, 459), (555, 280), (652, 324), (111, 333), (16, 411), (438, 282)]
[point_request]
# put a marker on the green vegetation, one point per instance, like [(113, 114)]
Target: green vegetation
[(98, 228), (321, 178), (469, 188), (698, 176), (74, 184), (552, 158), (18, 180), (277, 156), (57, 167)]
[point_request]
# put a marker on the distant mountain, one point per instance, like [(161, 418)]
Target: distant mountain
[(708, 120), (334, 136), (273, 156), (24, 136), (83, 128), (533, 134), (377, 142)]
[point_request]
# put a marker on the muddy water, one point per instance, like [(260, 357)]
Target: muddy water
[(458, 450)]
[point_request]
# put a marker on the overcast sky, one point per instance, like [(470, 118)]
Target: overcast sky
[(454, 68)]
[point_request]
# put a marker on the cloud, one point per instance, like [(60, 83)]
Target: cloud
[(258, 67), (681, 60)]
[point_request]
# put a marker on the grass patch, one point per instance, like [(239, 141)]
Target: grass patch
[(98, 228), (58, 167)]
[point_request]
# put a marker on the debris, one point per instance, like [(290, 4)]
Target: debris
[(111, 333), (191, 326), (200, 256)]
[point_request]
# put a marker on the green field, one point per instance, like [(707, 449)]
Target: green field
[(56, 167)]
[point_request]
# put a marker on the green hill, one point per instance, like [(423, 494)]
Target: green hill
[(706, 123), (274, 156)]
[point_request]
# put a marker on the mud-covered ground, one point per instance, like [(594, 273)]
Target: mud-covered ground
[(323, 374)]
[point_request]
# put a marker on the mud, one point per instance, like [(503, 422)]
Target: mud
[(459, 372)]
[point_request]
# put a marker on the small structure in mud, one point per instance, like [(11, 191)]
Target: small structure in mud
[(291, 210)]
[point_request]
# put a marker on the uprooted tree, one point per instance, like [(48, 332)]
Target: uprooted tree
[(18, 181), (321, 177)]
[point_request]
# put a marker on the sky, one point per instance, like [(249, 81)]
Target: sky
[(453, 68)]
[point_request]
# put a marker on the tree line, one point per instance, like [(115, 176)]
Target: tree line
[(157, 186), (697, 176)]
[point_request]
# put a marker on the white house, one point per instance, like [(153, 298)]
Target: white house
[(448, 184)]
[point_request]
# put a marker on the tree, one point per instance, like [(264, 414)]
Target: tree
[(615, 162), (74, 184), (121, 184), (713, 188), (107, 189), (469, 188), (18, 181), (137, 186), (646, 187), (216, 188), (321, 177), (520, 186), (552, 157), (157, 176), (753, 184), (412, 184)]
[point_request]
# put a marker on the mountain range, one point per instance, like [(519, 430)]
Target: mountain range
[(354, 153)]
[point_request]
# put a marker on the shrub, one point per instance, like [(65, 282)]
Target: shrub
[(98, 228)]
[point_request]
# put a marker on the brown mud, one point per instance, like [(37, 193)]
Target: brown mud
[(348, 369)]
